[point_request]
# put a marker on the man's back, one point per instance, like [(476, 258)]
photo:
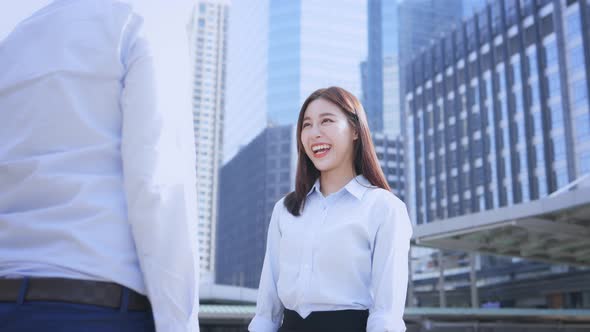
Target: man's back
[(62, 200), (97, 172)]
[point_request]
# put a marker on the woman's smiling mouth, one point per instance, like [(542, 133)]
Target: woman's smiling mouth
[(320, 150)]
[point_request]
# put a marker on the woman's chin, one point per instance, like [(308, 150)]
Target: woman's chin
[(322, 167)]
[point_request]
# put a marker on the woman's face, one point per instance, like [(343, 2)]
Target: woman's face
[(327, 137)]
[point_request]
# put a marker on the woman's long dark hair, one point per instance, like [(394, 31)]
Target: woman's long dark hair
[(365, 158)]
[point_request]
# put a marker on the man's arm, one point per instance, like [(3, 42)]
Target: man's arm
[(159, 171)]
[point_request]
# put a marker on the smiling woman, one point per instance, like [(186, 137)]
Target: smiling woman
[(336, 117), (328, 140), (337, 247)]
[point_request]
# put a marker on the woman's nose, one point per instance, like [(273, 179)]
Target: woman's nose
[(315, 131)]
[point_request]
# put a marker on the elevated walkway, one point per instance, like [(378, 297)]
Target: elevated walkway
[(553, 229)]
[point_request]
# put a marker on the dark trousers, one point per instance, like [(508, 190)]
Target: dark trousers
[(33, 316), (326, 321)]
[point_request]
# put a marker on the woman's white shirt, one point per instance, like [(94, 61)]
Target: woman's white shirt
[(348, 250)]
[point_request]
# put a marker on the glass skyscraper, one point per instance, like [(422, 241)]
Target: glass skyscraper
[(498, 109), (312, 44), (498, 114), (390, 152), (421, 22), (247, 70), (372, 69), (280, 52), (251, 183)]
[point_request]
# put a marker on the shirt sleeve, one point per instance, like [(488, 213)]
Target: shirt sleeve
[(389, 277), (158, 160), (269, 308)]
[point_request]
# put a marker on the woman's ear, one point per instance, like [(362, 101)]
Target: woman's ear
[(355, 135)]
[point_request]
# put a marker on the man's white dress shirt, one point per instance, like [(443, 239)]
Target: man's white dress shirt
[(348, 250), (96, 179)]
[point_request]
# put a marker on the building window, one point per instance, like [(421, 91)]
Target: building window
[(579, 95), (558, 148), (556, 115), (551, 53), (576, 59), (582, 123), (585, 163), (572, 25), (284, 176), (561, 177)]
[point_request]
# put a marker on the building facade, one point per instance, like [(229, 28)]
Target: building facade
[(422, 22), (498, 109), (380, 72), (498, 114), (372, 71), (251, 183), (390, 152), (208, 36)]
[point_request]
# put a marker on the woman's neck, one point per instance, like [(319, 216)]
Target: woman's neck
[(333, 181)]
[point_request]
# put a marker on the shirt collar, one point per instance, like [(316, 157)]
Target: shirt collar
[(316, 187), (356, 187)]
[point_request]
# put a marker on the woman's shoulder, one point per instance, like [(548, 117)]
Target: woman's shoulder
[(388, 209), (280, 204), (383, 198)]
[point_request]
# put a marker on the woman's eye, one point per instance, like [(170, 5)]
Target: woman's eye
[(327, 120), (305, 125)]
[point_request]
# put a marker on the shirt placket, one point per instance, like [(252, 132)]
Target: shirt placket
[(307, 263)]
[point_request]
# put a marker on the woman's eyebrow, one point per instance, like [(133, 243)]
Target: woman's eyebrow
[(327, 114), (321, 115)]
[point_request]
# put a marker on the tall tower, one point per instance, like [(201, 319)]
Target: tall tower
[(208, 31), (312, 44), (280, 52), (381, 97), (247, 73)]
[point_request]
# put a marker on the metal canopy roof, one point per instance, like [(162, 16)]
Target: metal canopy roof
[(553, 229)]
